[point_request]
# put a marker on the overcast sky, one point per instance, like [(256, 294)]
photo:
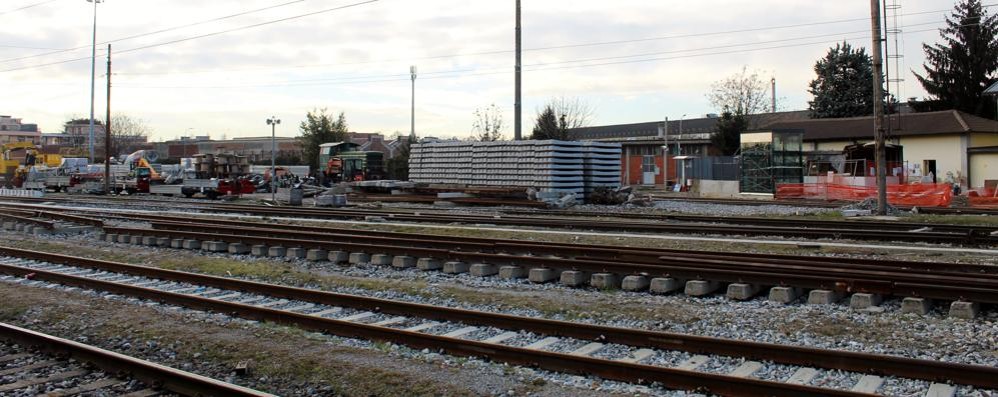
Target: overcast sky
[(356, 59)]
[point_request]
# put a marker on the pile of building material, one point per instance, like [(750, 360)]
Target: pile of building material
[(221, 165), (553, 169)]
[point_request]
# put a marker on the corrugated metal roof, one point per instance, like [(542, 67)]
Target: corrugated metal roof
[(929, 123), (992, 90)]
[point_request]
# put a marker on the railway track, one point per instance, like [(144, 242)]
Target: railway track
[(679, 224), (677, 361), (33, 363), (658, 270), (837, 204)]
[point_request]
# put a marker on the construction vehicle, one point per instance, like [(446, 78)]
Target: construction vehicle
[(16, 168), (344, 163)]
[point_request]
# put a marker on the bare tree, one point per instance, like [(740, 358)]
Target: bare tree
[(127, 134), (575, 112), (488, 124), (742, 93)]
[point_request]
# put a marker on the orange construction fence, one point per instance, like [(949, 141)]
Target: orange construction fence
[(987, 197), (921, 195)]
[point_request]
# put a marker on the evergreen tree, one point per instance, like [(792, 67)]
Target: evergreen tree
[(727, 134), (844, 85), (958, 70), (319, 128), (549, 126)]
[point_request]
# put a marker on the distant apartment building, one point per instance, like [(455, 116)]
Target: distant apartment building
[(13, 130)]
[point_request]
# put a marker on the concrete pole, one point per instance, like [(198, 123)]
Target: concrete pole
[(518, 103), (412, 72), (273, 121), (93, 73), (773, 81), (878, 109), (665, 154), (107, 129)]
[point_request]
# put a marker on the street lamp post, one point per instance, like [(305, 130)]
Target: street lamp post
[(273, 121), (412, 72), (679, 142), (93, 72)]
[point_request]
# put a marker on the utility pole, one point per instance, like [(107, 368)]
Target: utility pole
[(773, 91), (93, 72), (878, 109), (412, 72), (107, 128), (518, 104), (273, 121), (665, 154)]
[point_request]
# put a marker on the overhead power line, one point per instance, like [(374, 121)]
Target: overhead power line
[(536, 67), (201, 36), (60, 51), (26, 7)]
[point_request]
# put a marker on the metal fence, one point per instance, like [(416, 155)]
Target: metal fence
[(715, 168)]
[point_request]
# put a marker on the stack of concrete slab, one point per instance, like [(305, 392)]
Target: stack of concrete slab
[(553, 168), (602, 165)]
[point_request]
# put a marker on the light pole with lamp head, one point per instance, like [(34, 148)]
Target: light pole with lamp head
[(273, 121), (93, 71)]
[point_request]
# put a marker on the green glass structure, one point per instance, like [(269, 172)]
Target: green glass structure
[(771, 158)]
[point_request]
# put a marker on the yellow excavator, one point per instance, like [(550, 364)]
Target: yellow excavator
[(16, 168)]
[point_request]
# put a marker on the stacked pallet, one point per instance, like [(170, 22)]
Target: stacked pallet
[(552, 168), (221, 165)]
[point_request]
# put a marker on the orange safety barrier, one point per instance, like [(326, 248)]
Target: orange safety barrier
[(921, 195), (987, 197)]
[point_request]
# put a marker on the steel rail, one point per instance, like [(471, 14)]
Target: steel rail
[(607, 369), (960, 288), (862, 234), (29, 219), (636, 255), (160, 376), (975, 375), (846, 230)]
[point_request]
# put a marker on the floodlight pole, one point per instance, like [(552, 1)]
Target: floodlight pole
[(273, 121)]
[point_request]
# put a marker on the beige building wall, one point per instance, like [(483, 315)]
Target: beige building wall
[(983, 140), (983, 166), (948, 151)]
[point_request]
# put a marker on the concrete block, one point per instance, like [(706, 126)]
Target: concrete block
[(40, 231), (136, 240), (111, 238), (149, 240), (919, 306), (359, 257), (277, 252), (239, 249), (484, 270), (860, 301), (823, 297), (125, 239), (542, 275), (605, 281), (634, 283), (427, 264), (19, 227), (403, 262), (316, 255), (964, 310), (941, 390), (9, 226), (216, 246), (455, 267), (295, 253), (784, 294), (259, 250), (574, 278), (701, 287), (742, 291), (512, 272), (192, 244), (177, 243), (664, 285), (381, 260), (338, 257), (163, 241)]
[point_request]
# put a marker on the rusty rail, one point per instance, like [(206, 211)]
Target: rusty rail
[(174, 380), (849, 361)]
